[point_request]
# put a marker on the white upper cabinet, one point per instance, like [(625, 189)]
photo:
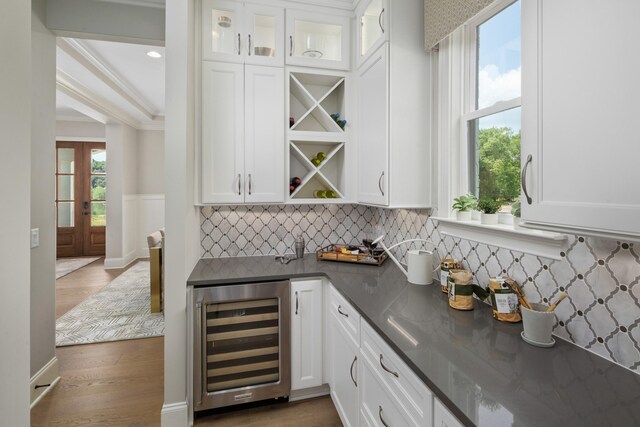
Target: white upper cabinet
[(372, 23), (317, 40), (579, 134), (235, 32), (393, 113), (242, 149)]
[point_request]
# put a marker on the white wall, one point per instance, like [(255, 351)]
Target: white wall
[(150, 162), (75, 130), (122, 214), (15, 179), (43, 132), (182, 218)]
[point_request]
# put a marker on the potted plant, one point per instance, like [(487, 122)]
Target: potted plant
[(489, 207), (506, 216), (475, 211), (463, 206)]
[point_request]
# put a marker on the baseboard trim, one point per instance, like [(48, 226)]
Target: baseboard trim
[(49, 374), (114, 263), (309, 393), (174, 415)]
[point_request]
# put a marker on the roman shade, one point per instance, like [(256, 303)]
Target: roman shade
[(441, 17)]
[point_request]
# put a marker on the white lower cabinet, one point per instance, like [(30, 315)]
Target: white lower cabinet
[(442, 417), (344, 379), (306, 333)]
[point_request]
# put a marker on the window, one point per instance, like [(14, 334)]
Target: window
[(491, 115)]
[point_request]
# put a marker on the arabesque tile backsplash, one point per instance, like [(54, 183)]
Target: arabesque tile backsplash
[(601, 276)]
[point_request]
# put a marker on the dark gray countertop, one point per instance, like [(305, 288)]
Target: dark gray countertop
[(478, 367)]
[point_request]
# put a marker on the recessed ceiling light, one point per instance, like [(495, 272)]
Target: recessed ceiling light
[(154, 54)]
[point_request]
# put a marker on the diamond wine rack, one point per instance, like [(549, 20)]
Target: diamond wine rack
[(316, 139)]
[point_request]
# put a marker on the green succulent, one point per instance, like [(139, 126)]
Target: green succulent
[(489, 206), (464, 203)]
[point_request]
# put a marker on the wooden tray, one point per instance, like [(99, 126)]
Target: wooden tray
[(328, 253)]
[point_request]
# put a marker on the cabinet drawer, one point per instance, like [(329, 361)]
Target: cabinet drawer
[(347, 316), (379, 406), (411, 391)]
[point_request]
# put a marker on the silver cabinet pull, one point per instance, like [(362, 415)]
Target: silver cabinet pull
[(290, 45), (249, 37), (394, 373), (523, 179), (249, 179), (380, 416), (239, 185), (296, 303), (380, 183), (198, 353), (355, 359), (380, 20), (340, 311), (238, 43)]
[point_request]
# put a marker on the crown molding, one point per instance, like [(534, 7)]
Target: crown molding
[(90, 104), (141, 3), (74, 118), (92, 62)]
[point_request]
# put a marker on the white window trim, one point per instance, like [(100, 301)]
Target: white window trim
[(455, 107)]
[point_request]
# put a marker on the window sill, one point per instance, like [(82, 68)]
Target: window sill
[(535, 242)]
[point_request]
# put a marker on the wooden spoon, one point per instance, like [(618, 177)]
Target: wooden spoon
[(553, 306)]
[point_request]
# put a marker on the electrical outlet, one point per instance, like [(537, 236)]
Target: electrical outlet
[(35, 237)]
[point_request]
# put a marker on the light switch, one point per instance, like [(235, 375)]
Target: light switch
[(35, 237)]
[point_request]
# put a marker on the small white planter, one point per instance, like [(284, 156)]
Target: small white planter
[(505, 218), (463, 215), (516, 224), (475, 215), (488, 219)]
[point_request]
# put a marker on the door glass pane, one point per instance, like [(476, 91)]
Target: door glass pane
[(65, 187), (98, 187), (495, 148), (499, 57), (66, 163), (371, 22), (264, 32), (224, 31), (98, 160), (66, 214), (242, 347), (98, 214), (318, 40)]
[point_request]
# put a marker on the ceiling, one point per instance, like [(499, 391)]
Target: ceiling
[(110, 82)]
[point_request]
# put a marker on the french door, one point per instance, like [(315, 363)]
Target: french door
[(81, 183)]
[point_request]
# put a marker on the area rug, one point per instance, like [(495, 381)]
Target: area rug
[(119, 311), (65, 266)]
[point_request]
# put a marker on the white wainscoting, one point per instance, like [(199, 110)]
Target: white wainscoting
[(150, 219), (142, 214)]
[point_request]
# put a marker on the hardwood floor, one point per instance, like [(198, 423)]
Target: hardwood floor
[(318, 412), (78, 285), (121, 383)]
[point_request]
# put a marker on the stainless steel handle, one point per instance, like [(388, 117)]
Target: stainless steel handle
[(200, 358), (249, 44), (340, 311), (380, 183), (380, 416), (238, 43), (239, 185), (290, 45), (297, 303), (355, 359), (387, 369), (380, 20), (249, 179), (523, 178)]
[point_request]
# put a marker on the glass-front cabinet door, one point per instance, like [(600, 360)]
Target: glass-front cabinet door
[(222, 30), (372, 27), (317, 40), (264, 27), (235, 32)]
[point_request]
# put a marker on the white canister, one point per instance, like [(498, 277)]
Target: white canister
[(420, 267)]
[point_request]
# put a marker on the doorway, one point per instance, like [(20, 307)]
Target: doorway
[(81, 183)]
